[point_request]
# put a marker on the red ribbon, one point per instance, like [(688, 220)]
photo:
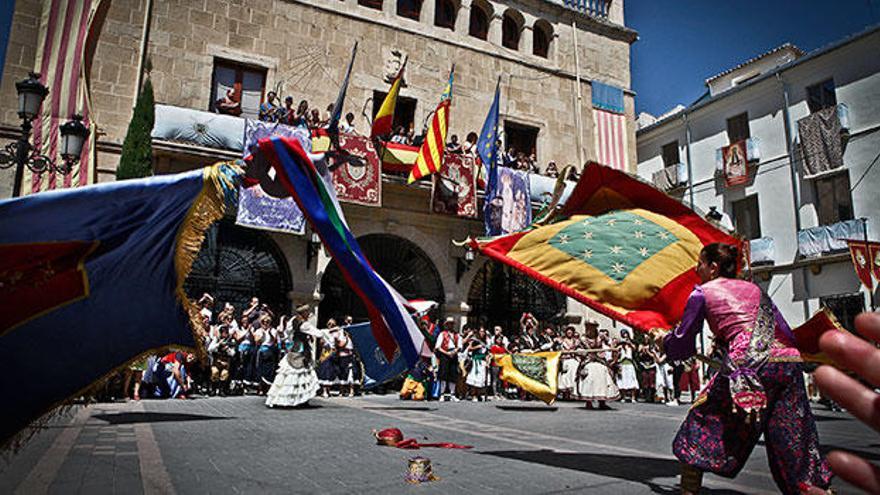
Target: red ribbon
[(413, 444)]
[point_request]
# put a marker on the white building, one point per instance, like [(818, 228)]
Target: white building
[(793, 213)]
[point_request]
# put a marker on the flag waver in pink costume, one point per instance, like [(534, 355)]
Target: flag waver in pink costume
[(759, 388)]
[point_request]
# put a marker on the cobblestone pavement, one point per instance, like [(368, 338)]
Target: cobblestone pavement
[(236, 445)]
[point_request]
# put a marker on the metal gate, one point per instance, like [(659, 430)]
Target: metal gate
[(237, 263), (400, 262), (499, 295)]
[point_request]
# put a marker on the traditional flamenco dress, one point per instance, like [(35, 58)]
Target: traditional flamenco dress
[(296, 382), (760, 373)]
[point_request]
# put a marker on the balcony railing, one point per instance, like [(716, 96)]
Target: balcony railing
[(826, 239), (595, 8)]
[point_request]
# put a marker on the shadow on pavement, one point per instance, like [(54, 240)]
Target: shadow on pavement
[(153, 417), (822, 419), (400, 408), (527, 408), (630, 468)]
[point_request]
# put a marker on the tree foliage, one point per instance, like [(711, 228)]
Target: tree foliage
[(137, 149)]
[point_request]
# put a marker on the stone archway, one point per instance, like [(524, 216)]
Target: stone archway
[(499, 295), (400, 262), (237, 263)]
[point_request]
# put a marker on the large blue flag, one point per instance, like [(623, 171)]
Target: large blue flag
[(393, 328), (92, 279), (377, 368), (487, 148)]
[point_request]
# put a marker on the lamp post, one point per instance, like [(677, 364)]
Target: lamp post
[(21, 154)]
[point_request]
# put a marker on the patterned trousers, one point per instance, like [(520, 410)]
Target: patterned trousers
[(714, 438)]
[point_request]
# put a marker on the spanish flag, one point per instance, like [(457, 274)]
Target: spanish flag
[(430, 157), (385, 117)]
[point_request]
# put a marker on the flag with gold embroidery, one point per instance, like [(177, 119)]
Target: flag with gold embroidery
[(535, 373), (92, 278), (618, 245)]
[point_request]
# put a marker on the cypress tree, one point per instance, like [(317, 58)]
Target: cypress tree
[(137, 149)]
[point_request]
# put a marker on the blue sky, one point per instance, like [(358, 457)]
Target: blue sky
[(684, 42)]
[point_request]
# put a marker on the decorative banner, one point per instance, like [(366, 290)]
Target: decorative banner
[(736, 165), (455, 187), (535, 373), (510, 210), (874, 256), (95, 274), (256, 209), (359, 179), (398, 157), (861, 260), (622, 247)]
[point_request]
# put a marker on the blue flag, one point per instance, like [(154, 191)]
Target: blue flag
[(333, 125), (487, 148), (93, 280), (377, 368)]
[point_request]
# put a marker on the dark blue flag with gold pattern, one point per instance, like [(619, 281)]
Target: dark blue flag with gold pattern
[(91, 280)]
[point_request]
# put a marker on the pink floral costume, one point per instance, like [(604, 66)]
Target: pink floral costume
[(760, 373)]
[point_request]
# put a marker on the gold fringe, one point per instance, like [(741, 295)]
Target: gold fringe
[(218, 190), (208, 207)]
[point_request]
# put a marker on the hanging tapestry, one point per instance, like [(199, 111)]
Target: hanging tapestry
[(357, 176), (256, 209), (455, 187), (510, 209), (736, 164)]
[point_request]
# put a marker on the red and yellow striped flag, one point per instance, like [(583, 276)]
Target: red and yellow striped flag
[(66, 43), (430, 157), (385, 116)]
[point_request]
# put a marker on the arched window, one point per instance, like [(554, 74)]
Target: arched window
[(410, 9), (543, 33), (445, 13), (479, 23), (511, 27), (373, 4)]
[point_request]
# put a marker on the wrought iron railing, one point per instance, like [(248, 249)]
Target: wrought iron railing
[(596, 8)]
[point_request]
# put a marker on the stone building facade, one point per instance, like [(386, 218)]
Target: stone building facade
[(300, 48)]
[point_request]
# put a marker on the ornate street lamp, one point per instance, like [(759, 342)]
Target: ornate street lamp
[(22, 154)]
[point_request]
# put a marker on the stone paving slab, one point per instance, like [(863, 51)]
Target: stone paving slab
[(236, 445)]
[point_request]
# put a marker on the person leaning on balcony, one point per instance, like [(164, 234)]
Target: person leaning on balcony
[(227, 104)]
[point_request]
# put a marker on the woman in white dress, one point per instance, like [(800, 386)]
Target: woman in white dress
[(626, 374), (569, 369), (478, 353), (595, 380), (296, 382)]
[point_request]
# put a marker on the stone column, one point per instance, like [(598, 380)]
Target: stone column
[(429, 8), (495, 29), (389, 8), (463, 19), (526, 40)]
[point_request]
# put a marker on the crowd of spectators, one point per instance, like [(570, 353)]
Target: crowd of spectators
[(636, 368), (272, 110)]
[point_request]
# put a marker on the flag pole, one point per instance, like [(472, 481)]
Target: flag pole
[(577, 114), (868, 251)]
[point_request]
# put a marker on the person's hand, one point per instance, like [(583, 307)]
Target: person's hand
[(862, 358)]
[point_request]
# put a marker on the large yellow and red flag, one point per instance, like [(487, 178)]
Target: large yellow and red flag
[(382, 123), (430, 157), (621, 247)]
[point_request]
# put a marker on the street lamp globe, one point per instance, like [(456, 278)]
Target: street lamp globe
[(73, 136), (30, 96)]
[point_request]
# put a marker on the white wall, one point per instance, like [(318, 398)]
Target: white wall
[(856, 72)]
